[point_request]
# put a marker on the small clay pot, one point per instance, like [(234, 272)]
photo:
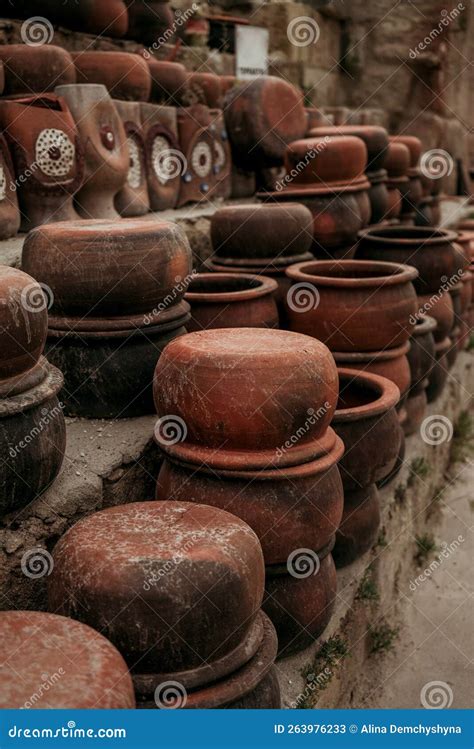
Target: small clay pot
[(38, 674), (35, 69), (466, 290), (358, 306), (439, 373), (394, 200), (466, 241), (98, 17), (414, 145), (380, 201), (106, 157), (102, 268), (397, 160), (421, 355), (9, 211), (204, 88), (2, 77), (374, 137), (360, 524), (325, 160), (111, 570), (440, 307), (163, 157), (133, 200), (169, 82), (391, 363), (227, 300), (200, 379), (198, 178), (126, 76)]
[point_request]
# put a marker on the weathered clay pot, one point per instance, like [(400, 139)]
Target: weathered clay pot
[(102, 268), (424, 213), (9, 211), (440, 307), (99, 17), (358, 306), (325, 160), (360, 524), (112, 571), (227, 300), (439, 372), (108, 363), (431, 251), (222, 155), (164, 161), (106, 157), (133, 200), (374, 137), (35, 69), (397, 160), (47, 154), (196, 140), (421, 355), (452, 352), (381, 203), (394, 200), (204, 88), (169, 82), (315, 118), (391, 363), (200, 380), (151, 22), (32, 435), (415, 186), (55, 662), (125, 76), (466, 240), (2, 77)]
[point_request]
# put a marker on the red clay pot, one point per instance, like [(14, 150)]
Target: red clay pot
[(440, 307), (55, 662), (9, 211), (169, 82), (133, 200), (439, 373), (397, 160), (227, 300), (126, 76), (163, 158), (325, 160), (466, 291), (421, 355), (391, 363), (98, 17), (222, 155), (381, 203), (204, 88), (466, 240), (374, 137), (414, 145), (359, 306), (198, 177), (360, 524), (35, 69), (104, 560)]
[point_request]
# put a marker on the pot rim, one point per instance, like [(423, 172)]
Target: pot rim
[(281, 261), (400, 273), (114, 327), (25, 380), (44, 391), (263, 286), (331, 188), (370, 356), (388, 395), (427, 236), (424, 324), (268, 269)]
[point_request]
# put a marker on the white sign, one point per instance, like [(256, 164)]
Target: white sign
[(251, 44)]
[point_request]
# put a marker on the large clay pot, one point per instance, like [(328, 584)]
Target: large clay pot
[(126, 76), (439, 373), (422, 352), (99, 17), (325, 160), (9, 211), (54, 662), (165, 162), (35, 69), (397, 160), (169, 82), (106, 157), (440, 307), (360, 522), (133, 200), (102, 268), (391, 363), (381, 203), (227, 300), (374, 137), (357, 306)]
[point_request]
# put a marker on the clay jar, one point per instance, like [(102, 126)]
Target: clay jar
[(45, 147), (126, 76), (200, 380), (439, 373), (34, 69), (326, 160), (440, 307), (227, 300), (391, 363), (169, 82), (415, 187), (164, 160), (132, 200), (106, 157), (35, 643), (374, 137), (204, 88), (9, 211), (356, 306), (422, 357), (397, 164), (198, 177)]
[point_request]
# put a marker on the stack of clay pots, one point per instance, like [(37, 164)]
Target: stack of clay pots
[(101, 17), (32, 426), (177, 588), (397, 164), (414, 193), (117, 290), (264, 453)]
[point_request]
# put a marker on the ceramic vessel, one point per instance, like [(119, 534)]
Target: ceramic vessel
[(414, 193), (381, 203), (9, 211), (397, 160), (326, 159), (2, 77), (204, 88), (222, 155), (244, 183), (125, 76), (35, 69), (440, 307), (422, 358), (198, 177), (32, 651), (439, 373), (391, 363), (98, 17), (169, 82), (164, 160), (133, 200), (374, 137)]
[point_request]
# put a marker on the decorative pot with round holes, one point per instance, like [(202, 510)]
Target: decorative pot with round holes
[(9, 211), (165, 161), (126, 76), (133, 200), (35, 68), (198, 179)]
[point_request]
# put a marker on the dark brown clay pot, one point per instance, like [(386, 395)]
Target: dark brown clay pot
[(227, 300), (374, 137), (2, 77), (358, 306), (421, 355), (164, 160), (35, 69), (32, 436), (108, 363), (105, 559), (288, 508), (106, 157), (439, 372), (133, 200), (102, 268), (151, 22), (325, 159), (394, 200), (466, 290), (380, 202), (200, 380), (424, 213), (452, 352), (391, 363), (33, 651), (359, 526), (440, 307), (198, 178), (47, 154), (125, 76), (169, 82), (204, 88), (431, 251), (9, 211)]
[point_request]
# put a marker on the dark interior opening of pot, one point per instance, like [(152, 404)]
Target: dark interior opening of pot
[(354, 393), (402, 232), (222, 286)]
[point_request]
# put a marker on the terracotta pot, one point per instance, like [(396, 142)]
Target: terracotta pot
[(169, 82), (400, 461), (258, 232), (151, 22), (164, 160), (198, 179), (227, 300), (359, 526), (466, 331), (110, 269), (34, 69), (440, 307), (397, 160), (465, 240), (32, 651), (380, 200), (262, 116), (431, 251), (315, 118), (9, 211), (391, 363), (99, 17), (32, 436), (439, 372), (126, 76), (2, 77), (288, 508), (414, 145), (106, 157), (204, 88), (325, 160), (421, 355), (246, 424), (466, 291), (133, 200), (23, 322), (108, 363), (394, 200), (358, 306), (47, 154), (374, 137), (209, 552), (300, 607), (222, 156)]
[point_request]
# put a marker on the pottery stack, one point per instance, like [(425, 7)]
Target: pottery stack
[(244, 426), (414, 193), (397, 164), (177, 588), (117, 291)]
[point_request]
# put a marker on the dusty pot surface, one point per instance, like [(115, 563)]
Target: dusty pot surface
[(9, 211), (204, 88), (108, 572), (391, 363), (359, 525), (35, 647), (164, 160), (133, 200), (440, 307), (374, 137), (169, 82), (354, 305), (245, 390), (326, 159), (227, 300), (421, 355), (34, 69), (397, 160), (126, 76), (110, 268)]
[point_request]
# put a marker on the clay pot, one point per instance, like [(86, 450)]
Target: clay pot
[(2, 77), (452, 352), (439, 373), (9, 211), (431, 251), (244, 183), (200, 377), (126, 76), (227, 300), (222, 156), (47, 154), (99, 17), (465, 240), (357, 306), (262, 116), (34, 648), (397, 160), (106, 157), (414, 193), (374, 137), (360, 523), (34, 69), (151, 22), (198, 179), (204, 88), (32, 435), (466, 290), (133, 200), (258, 232), (164, 160), (421, 355), (325, 160), (414, 145), (315, 118), (381, 203), (104, 560), (100, 268), (440, 307), (394, 201), (391, 363), (169, 82), (424, 213)]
